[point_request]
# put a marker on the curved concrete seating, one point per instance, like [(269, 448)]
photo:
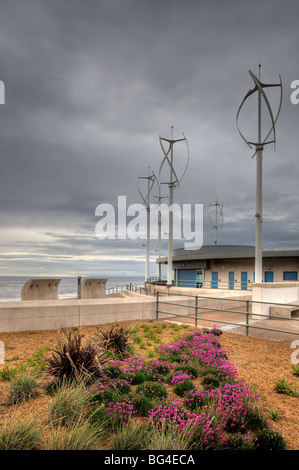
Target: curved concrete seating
[(40, 289), (287, 311), (93, 288)]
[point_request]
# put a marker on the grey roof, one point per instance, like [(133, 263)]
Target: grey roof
[(225, 252)]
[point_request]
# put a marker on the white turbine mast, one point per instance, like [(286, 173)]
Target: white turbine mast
[(173, 182), (259, 147), (217, 218), (146, 199)]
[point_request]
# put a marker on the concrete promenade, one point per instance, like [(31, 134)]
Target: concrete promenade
[(37, 315)]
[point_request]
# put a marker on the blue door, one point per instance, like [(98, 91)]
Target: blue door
[(290, 276), (244, 280), (231, 280), (269, 276), (186, 278), (214, 280)]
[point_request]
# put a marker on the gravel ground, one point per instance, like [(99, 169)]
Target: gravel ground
[(260, 362)]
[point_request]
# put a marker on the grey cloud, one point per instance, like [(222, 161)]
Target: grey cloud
[(91, 85)]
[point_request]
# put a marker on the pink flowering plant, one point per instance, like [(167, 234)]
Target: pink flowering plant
[(207, 414)]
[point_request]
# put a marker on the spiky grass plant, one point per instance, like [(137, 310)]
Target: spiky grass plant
[(115, 341), (167, 437), (80, 436), (22, 387), (131, 437), (72, 359), (69, 404), (7, 373), (21, 434)]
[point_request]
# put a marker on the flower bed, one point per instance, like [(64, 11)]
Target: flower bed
[(211, 414)]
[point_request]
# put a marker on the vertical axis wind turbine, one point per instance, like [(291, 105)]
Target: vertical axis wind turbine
[(150, 182), (259, 147), (218, 218), (172, 183), (158, 200)]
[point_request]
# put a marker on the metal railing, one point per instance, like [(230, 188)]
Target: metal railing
[(230, 285), (122, 288), (248, 313)]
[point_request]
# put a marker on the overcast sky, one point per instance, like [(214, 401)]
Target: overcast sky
[(90, 85)]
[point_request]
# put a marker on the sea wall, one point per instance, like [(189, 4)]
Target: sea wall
[(55, 314)]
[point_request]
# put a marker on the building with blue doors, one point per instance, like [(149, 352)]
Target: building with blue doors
[(230, 266)]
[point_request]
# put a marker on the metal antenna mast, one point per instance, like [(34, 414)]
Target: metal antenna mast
[(150, 182), (218, 218), (259, 147), (173, 182)]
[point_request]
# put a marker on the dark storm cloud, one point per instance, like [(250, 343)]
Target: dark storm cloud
[(90, 85)]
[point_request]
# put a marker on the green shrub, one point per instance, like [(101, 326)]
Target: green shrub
[(183, 387), (22, 388), (296, 369), (52, 387), (114, 371), (284, 387), (255, 420), (154, 377), (122, 387), (274, 414), (139, 377), (142, 404), (37, 360), (236, 442), (268, 439), (175, 356), (105, 395), (210, 381), (152, 389), (161, 369), (188, 369)]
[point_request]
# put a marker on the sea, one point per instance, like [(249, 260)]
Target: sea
[(11, 286)]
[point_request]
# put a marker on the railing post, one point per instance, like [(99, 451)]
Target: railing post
[(157, 306), (247, 317), (196, 309)]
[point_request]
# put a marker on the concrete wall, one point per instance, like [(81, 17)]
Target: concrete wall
[(44, 315), (279, 292), (93, 289), (40, 289)]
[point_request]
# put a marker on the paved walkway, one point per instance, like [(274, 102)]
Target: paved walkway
[(236, 323)]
